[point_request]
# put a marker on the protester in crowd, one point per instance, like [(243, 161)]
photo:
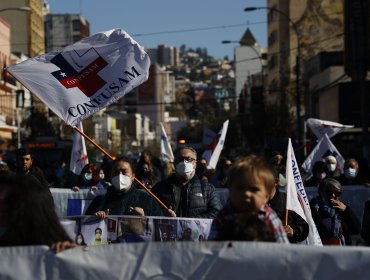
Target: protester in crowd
[(332, 167), (184, 192), (220, 177), (145, 174), (335, 221), (319, 173), (28, 216), (168, 169), (364, 171), (85, 179), (98, 179), (250, 181), (25, 166), (202, 172), (60, 174), (147, 157), (297, 228), (277, 161), (350, 175), (122, 197)]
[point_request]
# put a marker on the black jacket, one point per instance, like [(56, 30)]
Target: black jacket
[(202, 201), (119, 203), (299, 225)]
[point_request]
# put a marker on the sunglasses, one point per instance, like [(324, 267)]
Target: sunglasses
[(330, 193)]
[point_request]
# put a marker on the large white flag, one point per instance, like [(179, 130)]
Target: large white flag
[(166, 149), (213, 153), (79, 153), (81, 79), (323, 149), (296, 198), (320, 127)]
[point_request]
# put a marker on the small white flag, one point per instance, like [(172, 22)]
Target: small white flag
[(166, 150), (213, 153), (83, 78), (320, 127), (323, 149), (296, 198), (79, 154)]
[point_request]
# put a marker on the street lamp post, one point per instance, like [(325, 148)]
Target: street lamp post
[(297, 68)]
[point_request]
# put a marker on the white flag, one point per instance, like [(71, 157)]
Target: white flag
[(296, 198), (213, 153), (79, 154), (320, 127), (81, 79), (323, 149), (166, 150)]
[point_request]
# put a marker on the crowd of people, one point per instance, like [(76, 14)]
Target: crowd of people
[(255, 210)]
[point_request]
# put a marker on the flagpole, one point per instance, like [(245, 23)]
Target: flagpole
[(286, 217), (113, 158)]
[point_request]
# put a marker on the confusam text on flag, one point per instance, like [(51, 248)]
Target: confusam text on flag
[(81, 79)]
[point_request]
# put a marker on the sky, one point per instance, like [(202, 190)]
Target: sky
[(195, 23)]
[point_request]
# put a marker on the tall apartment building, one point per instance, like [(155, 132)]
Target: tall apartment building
[(314, 26), (64, 29), (27, 28), (168, 55)]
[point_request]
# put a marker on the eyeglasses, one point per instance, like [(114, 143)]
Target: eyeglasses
[(186, 159), (330, 193)]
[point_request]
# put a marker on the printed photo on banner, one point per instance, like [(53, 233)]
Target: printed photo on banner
[(135, 229)]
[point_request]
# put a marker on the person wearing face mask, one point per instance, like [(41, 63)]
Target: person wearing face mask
[(122, 197), (335, 220), (332, 168), (85, 179), (184, 193), (98, 179), (319, 171), (350, 174)]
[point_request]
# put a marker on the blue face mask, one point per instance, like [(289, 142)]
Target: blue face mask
[(350, 173), (87, 177)]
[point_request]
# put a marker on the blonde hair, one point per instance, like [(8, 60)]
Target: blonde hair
[(250, 168)]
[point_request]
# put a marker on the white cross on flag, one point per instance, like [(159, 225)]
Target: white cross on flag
[(83, 78)]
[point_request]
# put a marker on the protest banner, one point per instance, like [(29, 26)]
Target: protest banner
[(129, 229), (296, 197)]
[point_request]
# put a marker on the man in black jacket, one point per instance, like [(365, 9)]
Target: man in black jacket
[(297, 228), (184, 193), (123, 198)]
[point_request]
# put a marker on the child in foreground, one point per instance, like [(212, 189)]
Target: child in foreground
[(246, 216)]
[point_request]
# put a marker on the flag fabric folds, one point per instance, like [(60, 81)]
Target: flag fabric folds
[(79, 153), (323, 149), (296, 198), (166, 150), (320, 127), (212, 154), (81, 79)]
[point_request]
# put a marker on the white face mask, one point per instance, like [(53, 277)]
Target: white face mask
[(331, 167), (185, 170), (121, 182)]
